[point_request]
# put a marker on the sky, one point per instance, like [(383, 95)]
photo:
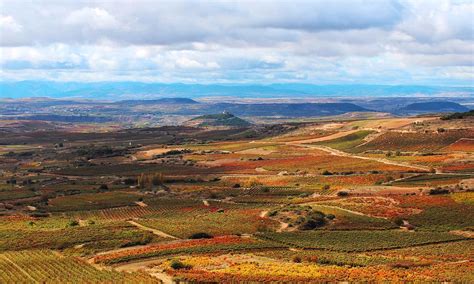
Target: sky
[(319, 41)]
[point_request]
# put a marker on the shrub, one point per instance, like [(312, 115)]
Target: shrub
[(314, 220), (177, 265), (73, 223), (39, 214), (272, 213), (342, 193), (296, 259), (201, 235), (103, 187), (398, 221), (312, 223), (438, 190), (130, 181)]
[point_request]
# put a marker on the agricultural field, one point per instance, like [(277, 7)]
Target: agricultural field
[(311, 201), (45, 266)]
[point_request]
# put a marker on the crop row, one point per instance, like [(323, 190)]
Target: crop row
[(115, 234), (353, 241), (43, 266), (222, 244)]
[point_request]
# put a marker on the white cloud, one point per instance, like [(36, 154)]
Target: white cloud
[(387, 41), (94, 18), (9, 24)]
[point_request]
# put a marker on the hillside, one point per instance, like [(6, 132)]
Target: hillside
[(459, 115), (440, 106), (222, 119), (284, 109)]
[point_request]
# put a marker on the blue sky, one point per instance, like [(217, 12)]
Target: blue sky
[(322, 42)]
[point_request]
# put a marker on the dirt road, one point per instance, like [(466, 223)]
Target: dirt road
[(154, 231)]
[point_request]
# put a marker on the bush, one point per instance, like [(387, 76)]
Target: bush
[(130, 181), (176, 265), (201, 235), (312, 223), (296, 259), (272, 213), (438, 190), (73, 223), (398, 221), (39, 214), (103, 187), (330, 216), (314, 220), (342, 193)]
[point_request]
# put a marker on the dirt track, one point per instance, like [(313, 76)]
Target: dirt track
[(380, 160), (154, 231)]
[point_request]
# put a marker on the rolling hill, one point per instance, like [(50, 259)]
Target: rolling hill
[(439, 106), (224, 119)]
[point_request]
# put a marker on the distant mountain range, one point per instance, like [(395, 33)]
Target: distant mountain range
[(163, 101), (139, 90)]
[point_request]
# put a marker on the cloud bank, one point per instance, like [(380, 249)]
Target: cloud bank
[(331, 41)]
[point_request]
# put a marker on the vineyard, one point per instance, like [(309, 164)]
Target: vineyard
[(348, 142), (224, 244), (248, 268), (94, 237), (217, 222), (366, 240), (44, 266), (417, 141), (92, 201), (306, 201)]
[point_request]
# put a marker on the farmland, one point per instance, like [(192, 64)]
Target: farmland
[(362, 200)]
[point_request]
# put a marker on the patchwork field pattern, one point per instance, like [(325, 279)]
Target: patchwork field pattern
[(339, 199)]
